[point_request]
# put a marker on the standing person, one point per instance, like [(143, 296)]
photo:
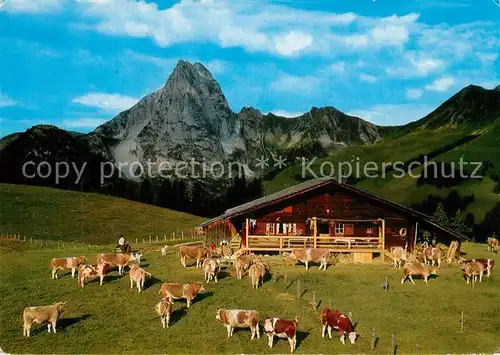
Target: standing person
[(121, 242)]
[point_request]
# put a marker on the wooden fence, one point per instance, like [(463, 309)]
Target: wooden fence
[(61, 244)]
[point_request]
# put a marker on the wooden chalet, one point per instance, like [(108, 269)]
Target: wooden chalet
[(323, 213)]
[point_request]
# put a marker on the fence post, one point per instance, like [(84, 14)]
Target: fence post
[(373, 338), (314, 301), (173, 235), (150, 238), (157, 238), (136, 242), (329, 303), (165, 237), (393, 343), (298, 288), (182, 234), (462, 322), (143, 241), (286, 280), (417, 349)]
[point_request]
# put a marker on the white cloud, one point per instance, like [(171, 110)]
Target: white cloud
[(414, 93), (392, 114), (83, 122), (111, 102), (31, 6), (415, 65), (295, 84), (367, 77), (217, 66), (6, 101), (487, 58), (285, 113), (337, 67), (292, 43), (442, 84)]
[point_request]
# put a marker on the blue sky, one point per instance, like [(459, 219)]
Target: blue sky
[(76, 64)]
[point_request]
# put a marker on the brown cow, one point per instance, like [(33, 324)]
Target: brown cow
[(137, 275), (418, 269), (66, 263), (239, 318), (257, 272), (198, 253), (432, 255), (493, 244), (400, 256), (243, 262), (164, 310), (178, 291), (311, 255), (90, 271), (118, 259), (42, 314), (472, 271), (488, 264), (211, 268), (338, 321), (282, 329)]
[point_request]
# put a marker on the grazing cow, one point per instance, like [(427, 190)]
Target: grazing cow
[(243, 262), (472, 271), (118, 259), (399, 255), (164, 309), (311, 255), (178, 291), (488, 264), (198, 253), (42, 314), (257, 271), (432, 256), (66, 263), (282, 329), (493, 244), (137, 275), (89, 271), (338, 321), (211, 268), (164, 251), (418, 269), (239, 318)]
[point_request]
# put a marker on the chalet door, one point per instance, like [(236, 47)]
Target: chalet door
[(323, 228)]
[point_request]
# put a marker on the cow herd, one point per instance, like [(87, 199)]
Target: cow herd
[(423, 262), (426, 260)]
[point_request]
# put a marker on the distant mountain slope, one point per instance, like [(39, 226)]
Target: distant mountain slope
[(47, 213), (465, 126)]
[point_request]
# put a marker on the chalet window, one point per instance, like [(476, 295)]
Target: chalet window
[(348, 229), (294, 228), (269, 228), (339, 228)]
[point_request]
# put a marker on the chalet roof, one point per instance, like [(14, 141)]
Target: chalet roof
[(316, 183)]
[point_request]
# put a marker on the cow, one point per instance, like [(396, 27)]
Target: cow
[(399, 255), (311, 255), (66, 263), (42, 314), (239, 318), (164, 251), (137, 275), (493, 244), (89, 271), (243, 262), (282, 329), (488, 264), (137, 257), (211, 268), (257, 271), (118, 259), (178, 291), (432, 256), (164, 309), (336, 320), (418, 269), (198, 253), (472, 271)]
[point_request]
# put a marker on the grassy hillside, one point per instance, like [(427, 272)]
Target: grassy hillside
[(47, 213), (102, 319)]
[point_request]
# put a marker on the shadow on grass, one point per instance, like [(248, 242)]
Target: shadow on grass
[(201, 296), (177, 315), (109, 278), (221, 275), (151, 281), (68, 322), (301, 336)]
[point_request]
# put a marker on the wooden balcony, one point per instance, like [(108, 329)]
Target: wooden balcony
[(334, 243)]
